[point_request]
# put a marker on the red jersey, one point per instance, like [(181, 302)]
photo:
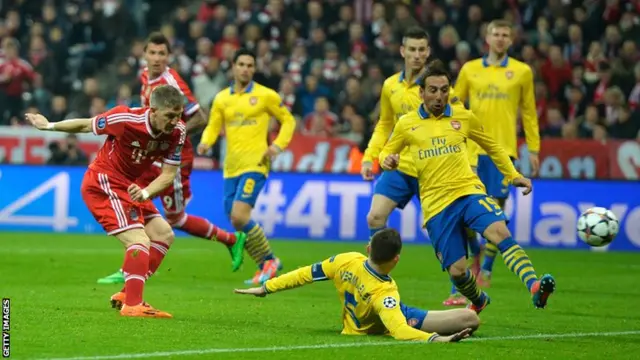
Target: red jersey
[(132, 145), (191, 106), (18, 71)]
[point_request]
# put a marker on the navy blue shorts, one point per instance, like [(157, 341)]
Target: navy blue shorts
[(397, 186), (245, 188), (415, 317), (447, 230), (492, 178)]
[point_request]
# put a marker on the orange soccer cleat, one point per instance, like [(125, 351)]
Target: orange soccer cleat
[(143, 310), (117, 300)]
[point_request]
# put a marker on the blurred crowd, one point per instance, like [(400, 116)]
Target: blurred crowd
[(327, 59)]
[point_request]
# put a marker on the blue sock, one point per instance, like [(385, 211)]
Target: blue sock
[(257, 244), (466, 285), (518, 262), (454, 291), (374, 231)]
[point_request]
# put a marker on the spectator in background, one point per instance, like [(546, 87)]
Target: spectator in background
[(321, 122), (67, 152), (14, 73)]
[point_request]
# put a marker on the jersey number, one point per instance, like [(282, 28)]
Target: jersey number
[(350, 304), (248, 187), (491, 205)]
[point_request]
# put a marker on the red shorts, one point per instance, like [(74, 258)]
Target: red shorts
[(175, 197), (109, 203)]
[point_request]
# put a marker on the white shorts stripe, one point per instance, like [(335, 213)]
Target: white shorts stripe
[(177, 193), (116, 205)]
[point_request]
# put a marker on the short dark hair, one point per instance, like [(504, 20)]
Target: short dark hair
[(385, 245), (435, 68), (158, 38), (415, 32), (243, 52)]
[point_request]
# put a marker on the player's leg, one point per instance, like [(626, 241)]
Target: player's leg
[(392, 190), (443, 322), (175, 200), (448, 236), (455, 297), (107, 201), (161, 237), (498, 189), (486, 217), (242, 192)]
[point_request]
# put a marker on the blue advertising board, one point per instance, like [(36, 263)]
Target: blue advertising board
[(322, 207)]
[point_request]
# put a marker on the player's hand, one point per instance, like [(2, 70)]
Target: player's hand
[(455, 337), (367, 171), (271, 152), (535, 164), (391, 162), (38, 121), (525, 183), (256, 291), (136, 193), (203, 149)]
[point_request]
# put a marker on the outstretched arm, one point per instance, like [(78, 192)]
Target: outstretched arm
[(69, 126)]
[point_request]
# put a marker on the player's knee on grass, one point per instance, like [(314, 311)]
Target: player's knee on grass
[(497, 232), (447, 322), (133, 236), (159, 230), (458, 269), (240, 215)]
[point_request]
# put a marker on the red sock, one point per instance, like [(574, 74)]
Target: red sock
[(202, 228), (135, 268), (157, 252)]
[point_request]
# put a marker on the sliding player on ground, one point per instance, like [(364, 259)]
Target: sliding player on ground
[(370, 296), (176, 197), (245, 109), (451, 194), (497, 87), (135, 139)]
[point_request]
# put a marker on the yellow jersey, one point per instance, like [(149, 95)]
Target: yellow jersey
[(246, 117), (371, 300), (438, 147), (398, 97), (496, 94)]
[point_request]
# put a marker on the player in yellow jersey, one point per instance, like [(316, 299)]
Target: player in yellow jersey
[(497, 87), (245, 109), (370, 296), (401, 95), (451, 194)]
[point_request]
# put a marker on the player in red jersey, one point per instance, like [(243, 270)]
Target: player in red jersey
[(135, 139), (176, 197)]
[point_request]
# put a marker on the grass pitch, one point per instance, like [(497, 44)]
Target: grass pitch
[(58, 310)]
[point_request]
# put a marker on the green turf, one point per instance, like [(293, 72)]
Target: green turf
[(59, 311)]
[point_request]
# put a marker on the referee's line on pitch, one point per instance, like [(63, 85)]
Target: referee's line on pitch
[(338, 345)]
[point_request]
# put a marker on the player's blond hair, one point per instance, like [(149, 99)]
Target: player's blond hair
[(166, 97), (500, 24)]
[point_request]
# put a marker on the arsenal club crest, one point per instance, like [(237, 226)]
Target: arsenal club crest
[(456, 124), (253, 100), (509, 74)]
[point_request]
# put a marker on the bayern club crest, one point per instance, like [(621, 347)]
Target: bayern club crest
[(509, 74), (456, 124), (253, 100)]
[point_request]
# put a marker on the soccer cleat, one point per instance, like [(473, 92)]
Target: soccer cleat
[(478, 309), (269, 270), (541, 290), (117, 300), (484, 279), (237, 251), (143, 310), (455, 300), (115, 278)]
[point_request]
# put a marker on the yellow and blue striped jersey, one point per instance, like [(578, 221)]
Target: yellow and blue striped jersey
[(371, 302), (438, 147), (496, 94), (246, 117)]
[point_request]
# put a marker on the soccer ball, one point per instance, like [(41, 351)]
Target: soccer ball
[(597, 226)]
